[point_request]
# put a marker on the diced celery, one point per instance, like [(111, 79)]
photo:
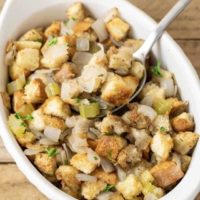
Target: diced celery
[(162, 106), (89, 111), (26, 109), (52, 89), (17, 125), (146, 177)]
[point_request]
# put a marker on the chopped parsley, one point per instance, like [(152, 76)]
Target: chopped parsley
[(156, 69), (27, 117), (108, 188), (95, 158), (23, 124), (39, 40), (162, 129), (109, 133), (73, 18), (52, 152), (78, 100), (52, 42)]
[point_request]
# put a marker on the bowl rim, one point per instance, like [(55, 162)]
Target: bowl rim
[(53, 192)]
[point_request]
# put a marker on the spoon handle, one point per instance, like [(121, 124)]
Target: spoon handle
[(156, 34)]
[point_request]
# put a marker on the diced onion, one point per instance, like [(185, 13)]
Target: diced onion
[(147, 100), (31, 152), (95, 131), (71, 121), (168, 86), (52, 134), (121, 173), (93, 156), (67, 151), (81, 58), (82, 44), (147, 111), (45, 141), (106, 165), (104, 196), (175, 90), (81, 126), (86, 178), (100, 29)]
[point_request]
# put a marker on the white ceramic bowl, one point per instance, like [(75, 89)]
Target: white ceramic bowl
[(20, 15)]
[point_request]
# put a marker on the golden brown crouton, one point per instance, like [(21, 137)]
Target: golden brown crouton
[(32, 35), (34, 92), (184, 142), (45, 164), (129, 156), (113, 124), (133, 44), (130, 187), (109, 178), (110, 146), (53, 29), (82, 26), (82, 163), (56, 107), (117, 90), (116, 196), (185, 162), (117, 28), (137, 70), (26, 138), (183, 122), (18, 100), (92, 143), (178, 107), (27, 44), (6, 99), (90, 190), (28, 59), (54, 122), (166, 173), (70, 191), (162, 123)]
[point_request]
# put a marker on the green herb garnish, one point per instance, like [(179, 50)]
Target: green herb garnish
[(23, 124), (156, 69), (27, 117), (95, 158), (52, 42), (52, 152), (109, 133), (108, 188), (73, 18), (78, 100), (39, 40), (162, 129)]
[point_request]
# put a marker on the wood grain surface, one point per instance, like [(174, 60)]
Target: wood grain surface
[(185, 30)]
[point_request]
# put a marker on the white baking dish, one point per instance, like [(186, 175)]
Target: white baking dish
[(20, 15)]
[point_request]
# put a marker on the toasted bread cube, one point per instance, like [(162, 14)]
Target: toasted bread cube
[(90, 190), (166, 173), (76, 12), (178, 107), (129, 156), (82, 163), (53, 29), (161, 145), (137, 70), (18, 100), (184, 142), (185, 162), (54, 122), (32, 35), (162, 123), (110, 146), (134, 44), (45, 164), (130, 187), (26, 139), (56, 107), (117, 90), (28, 59), (35, 92), (118, 28), (6, 99), (109, 178), (28, 44), (183, 122), (117, 196)]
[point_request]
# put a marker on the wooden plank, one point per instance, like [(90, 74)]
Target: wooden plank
[(4, 155), (14, 185)]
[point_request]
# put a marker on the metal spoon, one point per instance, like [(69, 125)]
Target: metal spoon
[(141, 54)]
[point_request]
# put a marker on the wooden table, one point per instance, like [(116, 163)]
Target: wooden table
[(185, 30)]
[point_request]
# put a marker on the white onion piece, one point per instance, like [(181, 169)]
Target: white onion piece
[(46, 78), (168, 86), (150, 196), (175, 90), (31, 152), (148, 101), (81, 58), (86, 178), (147, 111), (63, 157), (67, 151), (112, 13), (121, 173), (121, 71), (104, 196), (52, 134), (93, 156), (71, 121), (107, 165), (45, 141), (71, 23), (91, 136), (81, 126), (82, 44), (95, 131), (100, 29)]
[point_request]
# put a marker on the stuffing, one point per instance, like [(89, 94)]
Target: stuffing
[(109, 178), (26, 138), (130, 187), (129, 156), (133, 44), (137, 70), (92, 143), (70, 191), (54, 122), (6, 99), (53, 29), (117, 90), (116, 196), (178, 107), (28, 59), (76, 12), (34, 92), (184, 142), (166, 173), (71, 41), (113, 124), (117, 28), (83, 26), (27, 44), (183, 122), (185, 162), (90, 190), (110, 146), (161, 145), (56, 107), (67, 174), (32, 35), (91, 36), (82, 163), (162, 123), (67, 71), (18, 100), (45, 164), (55, 52)]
